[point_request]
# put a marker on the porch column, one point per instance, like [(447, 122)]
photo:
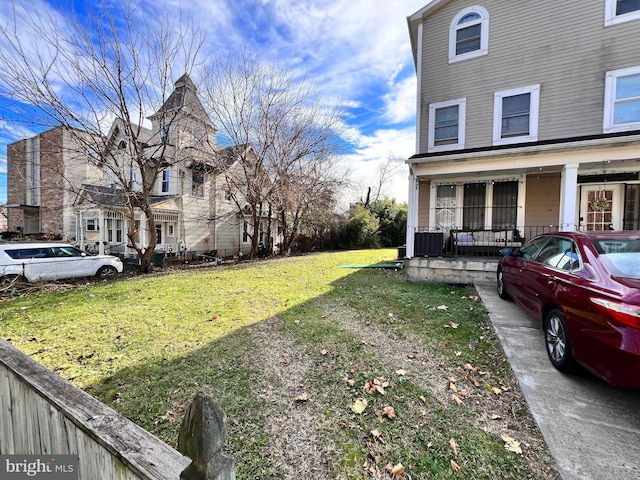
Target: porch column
[(80, 227), (412, 213), (568, 197), (101, 231)]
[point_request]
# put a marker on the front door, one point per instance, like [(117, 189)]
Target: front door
[(601, 207)]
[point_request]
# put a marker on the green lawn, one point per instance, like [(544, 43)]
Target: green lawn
[(287, 347)]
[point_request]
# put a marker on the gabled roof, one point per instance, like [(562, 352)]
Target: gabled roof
[(184, 99), (107, 196), (113, 197), (413, 21)]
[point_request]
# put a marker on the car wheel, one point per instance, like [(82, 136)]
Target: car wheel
[(107, 271), (502, 287), (558, 342)]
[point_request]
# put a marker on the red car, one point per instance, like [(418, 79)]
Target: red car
[(583, 288)]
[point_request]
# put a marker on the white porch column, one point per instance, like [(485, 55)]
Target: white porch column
[(101, 231), (80, 227), (568, 197), (412, 213)]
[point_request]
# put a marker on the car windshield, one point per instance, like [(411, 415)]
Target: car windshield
[(620, 256)]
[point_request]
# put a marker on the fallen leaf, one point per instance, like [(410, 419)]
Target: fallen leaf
[(495, 417), (351, 382), (511, 444), (324, 351), (421, 397), (456, 399), (376, 434), (494, 390), (397, 470), (286, 361), (401, 372), (442, 307), (446, 343), (389, 412), (454, 446), (359, 405), (302, 398), (455, 467), (453, 325), (468, 366)]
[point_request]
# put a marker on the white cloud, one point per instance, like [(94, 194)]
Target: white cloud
[(363, 166), (357, 51)]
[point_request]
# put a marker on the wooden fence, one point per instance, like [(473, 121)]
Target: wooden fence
[(42, 413)]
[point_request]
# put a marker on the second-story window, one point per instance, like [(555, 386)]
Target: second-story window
[(620, 11), (622, 100), (469, 34), (197, 182), (447, 125), (516, 115), (166, 176)]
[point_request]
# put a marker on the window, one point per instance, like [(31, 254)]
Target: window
[(197, 182), (170, 230), (447, 125), (446, 206), (166, 175), (473, 206), (469, 34), (227, 194), (560, 253), (504, 215), (516, 115), (622, 100), (198, 136), (164, 134), (620, 11), (93, 225)]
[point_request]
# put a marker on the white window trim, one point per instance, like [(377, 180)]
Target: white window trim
[(462, 115), (610, 17), (484, 34), (167, 181), (534, 90), (610, 82)]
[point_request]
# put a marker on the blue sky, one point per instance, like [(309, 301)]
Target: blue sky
[(357, 51)]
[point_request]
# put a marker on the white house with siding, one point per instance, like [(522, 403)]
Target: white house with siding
[(56, 185), (528, 119)]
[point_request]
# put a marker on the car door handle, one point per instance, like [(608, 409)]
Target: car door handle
[(550, 278)]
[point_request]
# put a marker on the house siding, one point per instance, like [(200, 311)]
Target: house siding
[(567, 59), (543, 200), (424, 193)]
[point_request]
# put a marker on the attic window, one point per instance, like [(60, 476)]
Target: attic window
[(122, 145), (469, 34), (164, 134)]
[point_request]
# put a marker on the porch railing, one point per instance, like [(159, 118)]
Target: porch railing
[(458, 241)]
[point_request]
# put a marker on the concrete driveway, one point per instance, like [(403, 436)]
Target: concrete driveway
[(591, 428)]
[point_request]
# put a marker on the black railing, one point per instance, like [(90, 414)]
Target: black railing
[(476, 242)]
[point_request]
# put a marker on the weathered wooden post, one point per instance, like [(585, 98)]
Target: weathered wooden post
[(202, 434)]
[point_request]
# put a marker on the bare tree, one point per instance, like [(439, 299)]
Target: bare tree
[(285, 139), (93, 75), (386, 172)]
